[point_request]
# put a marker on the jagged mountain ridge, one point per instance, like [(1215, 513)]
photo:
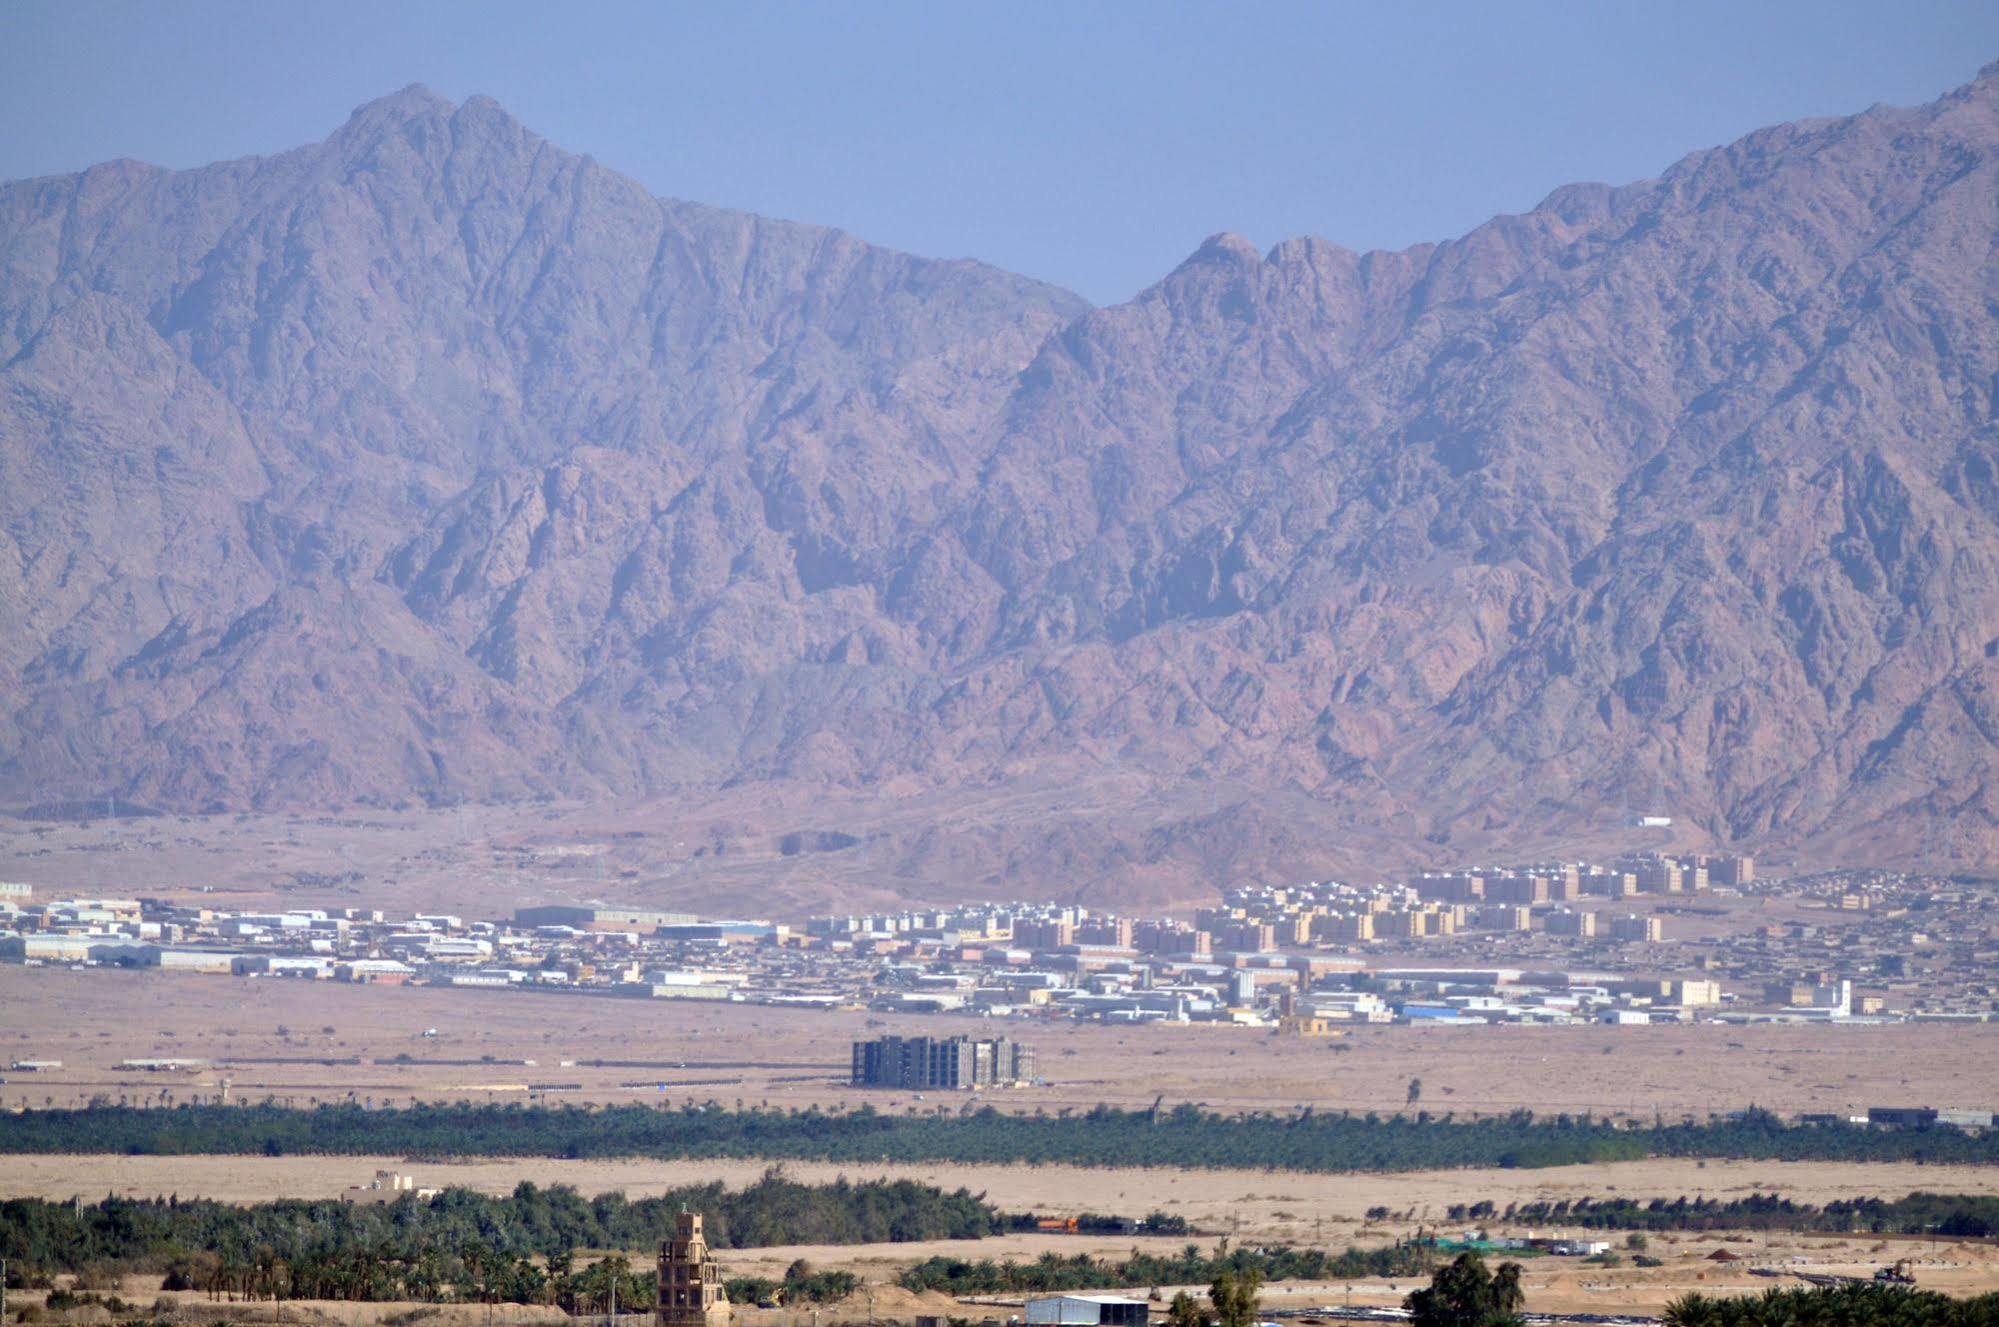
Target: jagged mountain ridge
[(434, 462)]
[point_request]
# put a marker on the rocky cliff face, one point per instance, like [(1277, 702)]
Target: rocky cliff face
[(433, 462)]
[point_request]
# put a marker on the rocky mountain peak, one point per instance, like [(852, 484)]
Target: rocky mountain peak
[(434, 462), (414, 102), (1226, 246)]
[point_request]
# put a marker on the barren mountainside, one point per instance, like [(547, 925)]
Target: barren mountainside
[(433, 463)]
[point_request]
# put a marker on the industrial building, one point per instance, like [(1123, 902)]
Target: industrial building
[(719, 932), (1902, 1117), (1087, 1311), (1926, 1117), (597, 918), (941, 1063)]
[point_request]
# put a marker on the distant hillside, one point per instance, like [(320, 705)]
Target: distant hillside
[(434, 463)]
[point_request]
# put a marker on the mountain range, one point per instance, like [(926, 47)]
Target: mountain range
[(433, 463)]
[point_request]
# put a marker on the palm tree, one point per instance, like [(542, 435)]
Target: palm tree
[(1692, 1311)]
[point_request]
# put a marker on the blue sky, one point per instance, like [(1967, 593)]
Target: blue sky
[(1089, 144)]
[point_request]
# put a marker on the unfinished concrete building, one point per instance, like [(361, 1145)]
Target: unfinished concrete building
[(690, 1281)]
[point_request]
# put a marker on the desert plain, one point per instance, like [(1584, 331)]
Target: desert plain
[(304, 1042), (313, 1042), (1245, 1206)]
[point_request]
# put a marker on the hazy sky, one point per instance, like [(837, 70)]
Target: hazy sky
[(1093, 145)]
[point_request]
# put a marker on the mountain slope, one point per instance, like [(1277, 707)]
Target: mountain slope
[(1672, 495), (340, 359), (434, 462)]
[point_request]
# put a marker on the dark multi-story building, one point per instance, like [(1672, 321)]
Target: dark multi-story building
[(941, 1063), (1255, 937), (1115, 932), (1528, 889), (1050, 934)]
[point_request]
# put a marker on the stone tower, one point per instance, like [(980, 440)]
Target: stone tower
[(690, 1284)]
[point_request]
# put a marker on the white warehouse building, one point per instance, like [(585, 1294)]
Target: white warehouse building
[(1087, 1311)]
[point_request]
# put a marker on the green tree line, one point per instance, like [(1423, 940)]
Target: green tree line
[(1184, 1136), (1859, 1305), (1949, 1214), (1053, 1272), (801, 1284), (458, 1243)]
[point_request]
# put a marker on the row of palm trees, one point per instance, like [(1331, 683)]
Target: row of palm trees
[(1182, 1136), (1858, 1305), (473, 1272)]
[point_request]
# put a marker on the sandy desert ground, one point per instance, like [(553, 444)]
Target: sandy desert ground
[(1248, 1206), (319, 1041), (302, 1042)]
